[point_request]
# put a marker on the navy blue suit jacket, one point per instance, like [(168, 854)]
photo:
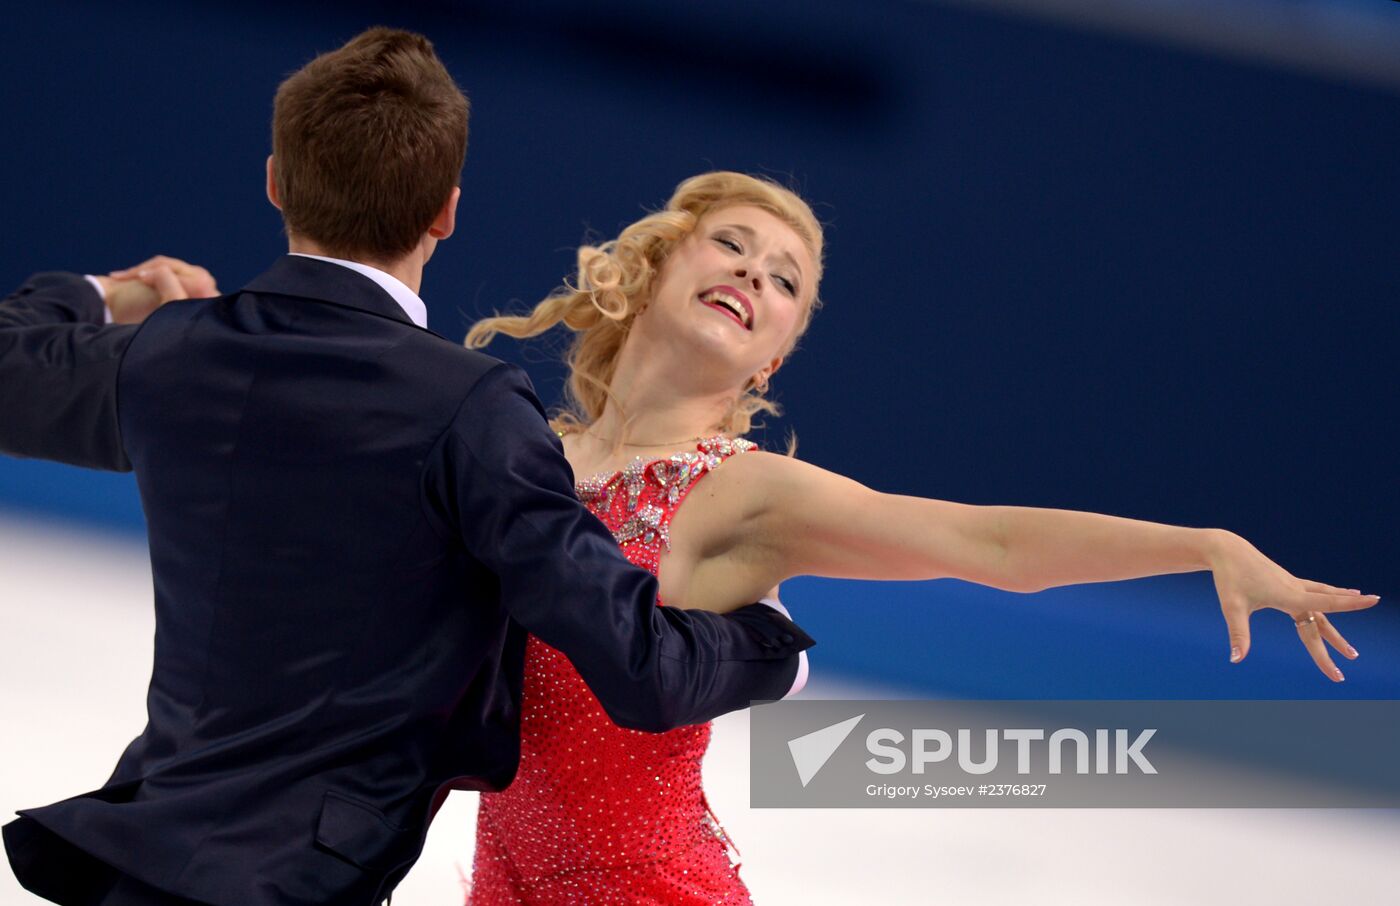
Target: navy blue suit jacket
[(353, 524)]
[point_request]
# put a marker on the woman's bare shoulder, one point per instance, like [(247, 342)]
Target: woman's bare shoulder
[(748, 477), (761, 472), (728, 495), (759, 465)]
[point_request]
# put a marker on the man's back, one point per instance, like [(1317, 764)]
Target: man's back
[(281, 443), (327, 653)]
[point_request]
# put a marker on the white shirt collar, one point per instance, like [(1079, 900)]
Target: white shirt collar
[(408, 300)]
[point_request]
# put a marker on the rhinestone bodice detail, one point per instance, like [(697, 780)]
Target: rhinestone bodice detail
[(588, 793), (637, 502)]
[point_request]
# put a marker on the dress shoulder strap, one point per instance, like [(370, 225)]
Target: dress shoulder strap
[(671, 479)]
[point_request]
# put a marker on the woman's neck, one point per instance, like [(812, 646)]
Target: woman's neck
[(654, 410), (643, 427)]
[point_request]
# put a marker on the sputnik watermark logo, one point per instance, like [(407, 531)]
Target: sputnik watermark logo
[(930, 745), (812, 751), (1076, 754)]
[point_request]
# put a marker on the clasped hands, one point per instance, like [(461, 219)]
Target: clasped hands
[(135, 292), (1246, 581)]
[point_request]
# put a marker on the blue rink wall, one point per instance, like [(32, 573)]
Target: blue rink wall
[(1065, 268)]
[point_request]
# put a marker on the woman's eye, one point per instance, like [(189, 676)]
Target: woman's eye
[(728, 243), (787, 285)]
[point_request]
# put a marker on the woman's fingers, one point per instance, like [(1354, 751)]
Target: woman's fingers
[(1327, 602), (163, 280), (1323, 587), (1309, 632), (1237, 621), (196, 282), (1333, 637), (129, 273)]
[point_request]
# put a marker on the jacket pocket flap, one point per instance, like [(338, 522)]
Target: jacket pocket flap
[(359, 833)]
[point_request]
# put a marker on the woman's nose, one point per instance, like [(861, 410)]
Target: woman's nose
[(742, 274)]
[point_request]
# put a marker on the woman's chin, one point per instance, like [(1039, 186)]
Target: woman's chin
[(716, 360)]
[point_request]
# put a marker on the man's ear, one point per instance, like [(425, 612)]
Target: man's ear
[(272, 184), (446, 220)]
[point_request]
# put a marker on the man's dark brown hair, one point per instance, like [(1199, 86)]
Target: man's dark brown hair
[(368, 142)]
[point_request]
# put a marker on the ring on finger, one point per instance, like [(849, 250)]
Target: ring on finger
[(1308, 622)]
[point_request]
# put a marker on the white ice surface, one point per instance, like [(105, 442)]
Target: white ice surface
[(75, 652)]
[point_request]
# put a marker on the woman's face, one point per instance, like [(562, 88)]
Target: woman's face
[(730, 295)]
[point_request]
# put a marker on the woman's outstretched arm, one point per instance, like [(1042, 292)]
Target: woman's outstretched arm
[(797, 519), (811, 521)]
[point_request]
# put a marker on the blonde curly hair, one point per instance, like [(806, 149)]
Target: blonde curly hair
[(614, 281)]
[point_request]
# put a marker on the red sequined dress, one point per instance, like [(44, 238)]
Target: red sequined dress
[(599, 814)]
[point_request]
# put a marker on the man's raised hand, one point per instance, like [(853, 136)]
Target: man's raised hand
[(134, 292)]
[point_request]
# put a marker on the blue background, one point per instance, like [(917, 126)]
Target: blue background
[(1066, 268)]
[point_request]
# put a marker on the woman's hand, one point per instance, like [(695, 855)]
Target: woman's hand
[(1247, 581), (135, 292)]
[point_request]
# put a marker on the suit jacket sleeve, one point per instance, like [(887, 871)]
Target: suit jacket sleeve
[(58, 374), (564, 579)]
